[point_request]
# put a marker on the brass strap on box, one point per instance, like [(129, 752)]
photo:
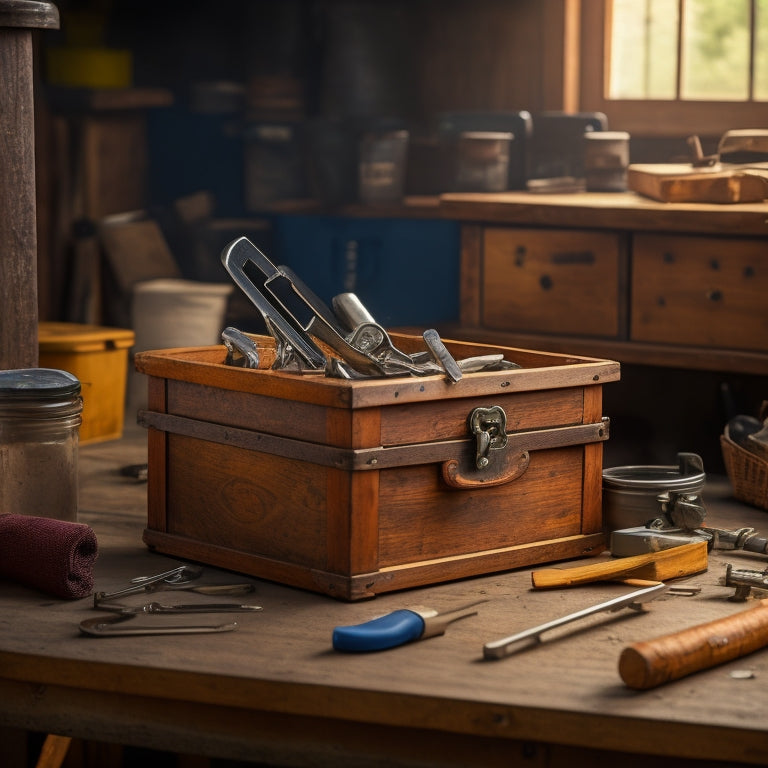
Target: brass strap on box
[(458, 457)]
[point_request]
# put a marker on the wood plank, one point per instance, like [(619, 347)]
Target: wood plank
[(679, 183), (700, 291), (592, 489), (108, 100), (248, 501), (595, 210), (157, 458), (18, 232), (470, 278), (54, 751), (663, 355), (353, 521), (420, 520), (539, 370), (543, 281), (274, 689), (414, 423)]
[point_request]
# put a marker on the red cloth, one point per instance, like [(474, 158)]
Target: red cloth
[(54, 556)]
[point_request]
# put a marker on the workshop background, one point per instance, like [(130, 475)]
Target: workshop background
[(244, 118)]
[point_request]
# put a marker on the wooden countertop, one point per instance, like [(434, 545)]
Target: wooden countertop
[(275, 691), (593, 210), (622, 210)]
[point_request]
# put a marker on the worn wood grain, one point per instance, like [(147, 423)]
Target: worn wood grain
[(544, 281), (275, 691), (620, 210), (702, 291), (655, 662), (312, 495), (674, 563), (18, 236), (18, 225), (636, 314), (539, 370)]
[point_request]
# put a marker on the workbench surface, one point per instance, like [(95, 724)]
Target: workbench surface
[(276, 692)]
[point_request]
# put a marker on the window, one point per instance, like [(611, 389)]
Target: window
[(666, 67)]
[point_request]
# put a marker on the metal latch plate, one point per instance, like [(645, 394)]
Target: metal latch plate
[(489, 426)]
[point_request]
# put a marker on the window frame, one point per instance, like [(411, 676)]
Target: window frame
[(650, 117)]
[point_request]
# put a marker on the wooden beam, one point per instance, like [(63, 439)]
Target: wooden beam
[(18, 236)]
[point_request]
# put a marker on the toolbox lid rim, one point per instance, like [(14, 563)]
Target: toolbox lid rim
[(205, 365)]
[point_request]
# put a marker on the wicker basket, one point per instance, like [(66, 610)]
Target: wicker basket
[(748, 473)]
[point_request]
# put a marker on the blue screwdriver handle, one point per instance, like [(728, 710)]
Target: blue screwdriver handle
[(396, 628)]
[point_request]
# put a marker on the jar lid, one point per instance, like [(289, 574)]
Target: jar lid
[(688, 474), (37, 382)]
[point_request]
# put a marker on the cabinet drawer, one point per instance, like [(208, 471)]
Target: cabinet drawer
[(702, 291), (553, 281)]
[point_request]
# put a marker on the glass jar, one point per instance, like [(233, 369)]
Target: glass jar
[(40, 415)]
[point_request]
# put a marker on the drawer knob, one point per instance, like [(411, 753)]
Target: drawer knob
[(715, 295)]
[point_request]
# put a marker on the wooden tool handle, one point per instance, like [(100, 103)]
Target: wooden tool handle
[(671, 563), (648, 664)]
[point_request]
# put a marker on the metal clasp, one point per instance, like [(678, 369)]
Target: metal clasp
[(489, 426)]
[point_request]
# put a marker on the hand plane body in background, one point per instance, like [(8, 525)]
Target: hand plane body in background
[(642, 539)]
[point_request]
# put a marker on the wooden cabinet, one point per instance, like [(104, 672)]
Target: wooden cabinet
[(701, 291), (95, 164), (553, 281), (616, 275)]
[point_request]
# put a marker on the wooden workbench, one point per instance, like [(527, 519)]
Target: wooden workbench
[(615, 275), (275, 692)]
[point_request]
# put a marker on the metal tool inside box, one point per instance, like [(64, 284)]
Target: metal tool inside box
[(304, 472)]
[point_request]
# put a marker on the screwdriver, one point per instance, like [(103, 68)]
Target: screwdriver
[(398, 628)]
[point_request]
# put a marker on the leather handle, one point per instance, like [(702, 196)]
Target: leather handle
[(655, 662)]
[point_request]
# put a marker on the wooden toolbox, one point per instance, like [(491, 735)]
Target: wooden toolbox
[(355, 488)]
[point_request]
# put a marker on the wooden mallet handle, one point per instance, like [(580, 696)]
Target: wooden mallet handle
[(648, 664)]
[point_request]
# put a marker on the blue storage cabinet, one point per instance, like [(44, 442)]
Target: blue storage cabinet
[(405, 271)]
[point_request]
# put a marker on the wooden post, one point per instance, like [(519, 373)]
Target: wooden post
[(18, 237)]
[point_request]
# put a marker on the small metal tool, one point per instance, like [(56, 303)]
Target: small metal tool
[(372, 339), (398, 628), (350, 310), (744, 580), (114, 627), (492, 362), (441, 355), (338, 369), (253, 271), (634, 600), (180, 573), (294, 283), (180, 608), (241, 349), (653, 538), (740, 538), (163, 586)]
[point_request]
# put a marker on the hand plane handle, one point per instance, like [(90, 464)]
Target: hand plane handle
[(647, 664)]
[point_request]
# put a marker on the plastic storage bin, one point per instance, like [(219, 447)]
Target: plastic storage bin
[(98, 357)]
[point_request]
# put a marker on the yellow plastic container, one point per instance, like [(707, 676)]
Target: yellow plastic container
[(84, 67), (98, 356)]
